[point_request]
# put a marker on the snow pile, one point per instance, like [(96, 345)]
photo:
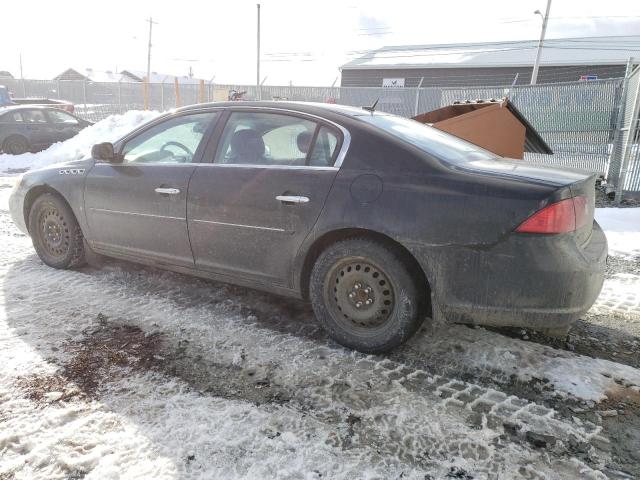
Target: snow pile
[(622, 226), (110, 129)]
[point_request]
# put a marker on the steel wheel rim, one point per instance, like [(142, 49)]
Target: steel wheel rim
[(54, 232), (360, 295)]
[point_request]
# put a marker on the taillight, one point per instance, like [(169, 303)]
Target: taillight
[(561, 217)]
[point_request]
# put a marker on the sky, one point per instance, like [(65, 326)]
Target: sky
[(302, 42)]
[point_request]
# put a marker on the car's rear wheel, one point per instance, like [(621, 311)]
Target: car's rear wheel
[(364, 296), (15, 145), (57, 237)]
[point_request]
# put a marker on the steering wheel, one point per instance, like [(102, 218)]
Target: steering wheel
[(176, 144)]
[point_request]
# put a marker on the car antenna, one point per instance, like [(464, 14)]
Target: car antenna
[(372, 108)]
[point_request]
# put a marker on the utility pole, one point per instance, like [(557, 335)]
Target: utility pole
[(148, 79), (536, 65), (151, 24), (258, 92), (24, 87)]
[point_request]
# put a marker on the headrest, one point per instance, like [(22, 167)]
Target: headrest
[(304, 141), (247, 145)]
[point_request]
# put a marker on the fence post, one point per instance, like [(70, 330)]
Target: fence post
[(415, 109), (146, 94), (201, 91), (84, 95), (177, 86), (162, 94), (628, 144), (58, 87), (120, 96), (617, 150)]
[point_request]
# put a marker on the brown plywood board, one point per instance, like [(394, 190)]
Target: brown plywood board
[(492, 127)]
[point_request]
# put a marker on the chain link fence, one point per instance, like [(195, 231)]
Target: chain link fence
[(582, 122)]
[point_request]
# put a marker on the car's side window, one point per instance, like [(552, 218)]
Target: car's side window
[(58, 117), (324, 148), (12, 117), (173, 141), (272, 139), (33, 116)]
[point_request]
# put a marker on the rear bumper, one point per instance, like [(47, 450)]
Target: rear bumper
[(534, 281)]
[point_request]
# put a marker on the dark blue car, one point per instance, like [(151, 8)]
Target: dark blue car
[(379, 221), (33, 128)]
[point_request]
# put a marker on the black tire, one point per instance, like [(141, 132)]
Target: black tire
[(364, 296), (15, 145), (55, 232)]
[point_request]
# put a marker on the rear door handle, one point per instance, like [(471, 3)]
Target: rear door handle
[(292, 199), (167, 191)]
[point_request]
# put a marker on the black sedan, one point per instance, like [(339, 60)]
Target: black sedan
[(379, 221), (33, 128)]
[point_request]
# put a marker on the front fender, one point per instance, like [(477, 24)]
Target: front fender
[(66, 180)]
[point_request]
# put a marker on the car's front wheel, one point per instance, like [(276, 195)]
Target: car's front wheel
[(364, 295), (57, 237)]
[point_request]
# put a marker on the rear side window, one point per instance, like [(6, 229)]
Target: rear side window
[(58, 117), (324, 149), (273, 139), (13, 117)]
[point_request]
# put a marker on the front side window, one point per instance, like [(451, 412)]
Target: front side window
[(59, 117), (13, 117), (274, 139), (173, 141), (33, 116)]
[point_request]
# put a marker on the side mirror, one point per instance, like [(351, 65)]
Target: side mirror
[(104, 151)]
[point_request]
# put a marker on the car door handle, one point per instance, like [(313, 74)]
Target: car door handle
[(167, 191), (292, 199)]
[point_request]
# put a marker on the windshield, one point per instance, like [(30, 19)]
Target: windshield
[(430, 140)]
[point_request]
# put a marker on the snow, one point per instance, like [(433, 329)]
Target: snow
[(110, 129), (622, 226), (576, 376)]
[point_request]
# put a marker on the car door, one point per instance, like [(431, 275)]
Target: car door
[(138, 207), (36, 127), (64, 126), (251, 208)]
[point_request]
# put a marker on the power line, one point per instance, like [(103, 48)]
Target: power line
[(425, 50)]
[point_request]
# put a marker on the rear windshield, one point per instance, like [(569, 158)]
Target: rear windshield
[(439, 144)]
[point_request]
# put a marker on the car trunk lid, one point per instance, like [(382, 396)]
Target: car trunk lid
[(544, 174)]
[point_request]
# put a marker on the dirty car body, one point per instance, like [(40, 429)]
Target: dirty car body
[(485, 240)]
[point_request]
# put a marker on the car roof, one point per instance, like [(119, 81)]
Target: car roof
[(303, 107), (27, 106)]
